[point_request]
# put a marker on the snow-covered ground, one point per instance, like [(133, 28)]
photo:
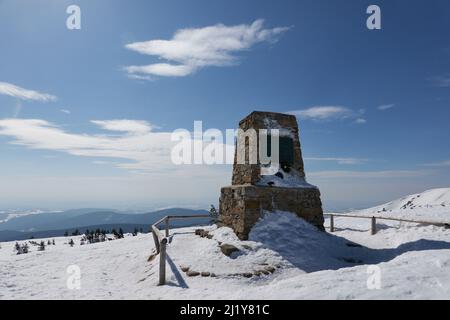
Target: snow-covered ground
[(413, 261), (285, 257)]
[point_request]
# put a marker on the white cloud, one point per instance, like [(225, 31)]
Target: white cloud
[(24, 94), (131, 126), (324, 113), (385, 107), (161, 69), (66, 111), (194, 48), (131, 140), (360, 121), (142, 148), (338, 160)]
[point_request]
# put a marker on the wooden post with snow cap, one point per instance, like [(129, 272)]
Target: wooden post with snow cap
[(162, 262), (373, 229), (331, 223)]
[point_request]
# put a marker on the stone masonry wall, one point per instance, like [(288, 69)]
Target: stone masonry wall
[(242, 206), (250, 173), (243, 203)]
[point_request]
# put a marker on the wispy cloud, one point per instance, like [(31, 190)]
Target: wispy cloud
[(137, 127), (328, 113), (131, 143), (370, 174), (323, 112), (441, 81), (161, 69), (444, 163), (194, 48), (24, 94), (101, 162), (66, 111), (360, 121), (132, 140), (348, 161), (385, 107), (139, 77)]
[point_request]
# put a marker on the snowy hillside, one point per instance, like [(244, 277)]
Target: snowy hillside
[(431, 205), (286, 258)]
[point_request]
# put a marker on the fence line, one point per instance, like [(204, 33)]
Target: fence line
[(373, 226), (161, 240)]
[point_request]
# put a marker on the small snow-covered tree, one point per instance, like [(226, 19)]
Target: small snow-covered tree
[(214, 214), (41, 246), (18, 248), (25, 248), (71, 243)]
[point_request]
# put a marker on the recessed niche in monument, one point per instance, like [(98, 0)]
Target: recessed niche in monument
[(286, 151)]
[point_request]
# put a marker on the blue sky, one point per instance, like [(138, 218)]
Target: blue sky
[(373, 105)]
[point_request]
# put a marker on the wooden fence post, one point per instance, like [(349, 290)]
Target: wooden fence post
[(155, 238), (374, 226), (167, 226), (162, 262), (331, 223)]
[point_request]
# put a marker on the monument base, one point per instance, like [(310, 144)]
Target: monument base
[(241, 206)]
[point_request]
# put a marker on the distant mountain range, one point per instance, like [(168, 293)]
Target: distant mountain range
[(57, 223)]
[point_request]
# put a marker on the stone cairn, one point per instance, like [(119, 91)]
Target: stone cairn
[(251, 194)]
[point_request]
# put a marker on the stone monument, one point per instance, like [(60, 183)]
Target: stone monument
[(255, 191)]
